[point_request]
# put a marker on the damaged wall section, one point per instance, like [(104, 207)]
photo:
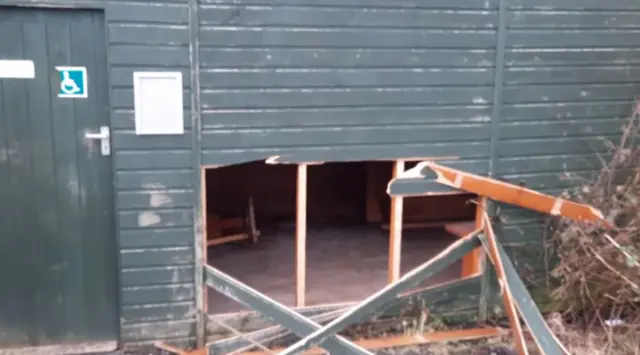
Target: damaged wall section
[(347, 230), (569, 82)]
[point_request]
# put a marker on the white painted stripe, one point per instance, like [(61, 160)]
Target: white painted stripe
[(557, 205)]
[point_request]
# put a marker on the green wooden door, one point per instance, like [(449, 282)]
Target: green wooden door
[(58, 265)]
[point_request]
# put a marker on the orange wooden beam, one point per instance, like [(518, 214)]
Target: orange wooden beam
[(471, 263), (395, 230), (301, 236), (507, 298), (509, 193)]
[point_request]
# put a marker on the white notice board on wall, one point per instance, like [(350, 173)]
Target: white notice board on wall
[(158, 103), (17, 69)]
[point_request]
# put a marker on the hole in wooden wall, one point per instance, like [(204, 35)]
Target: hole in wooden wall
[(347, 242)]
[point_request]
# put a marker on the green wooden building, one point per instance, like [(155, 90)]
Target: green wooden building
[(102, 239)]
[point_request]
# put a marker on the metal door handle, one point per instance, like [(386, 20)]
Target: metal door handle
[(103, 136)]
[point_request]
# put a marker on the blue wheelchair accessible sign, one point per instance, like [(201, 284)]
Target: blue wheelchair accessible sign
[(73, 82)]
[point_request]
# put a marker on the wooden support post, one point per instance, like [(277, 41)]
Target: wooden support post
[(372, 207), (301, 235), (471, 263), (395, 229)]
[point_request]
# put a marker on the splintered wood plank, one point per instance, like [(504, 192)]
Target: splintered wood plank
[(301, 235), (511, 283), (226, 223), (228, 239), (505, 291), (395, 230), (471, 264), (507, 193), (408, 340)]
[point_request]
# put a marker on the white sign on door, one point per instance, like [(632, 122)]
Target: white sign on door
[(17, 69)]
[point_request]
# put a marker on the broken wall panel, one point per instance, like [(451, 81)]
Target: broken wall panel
[(452, 300), (513, 286), (283, 315), (339, 197), (386, 296), (437, 299)]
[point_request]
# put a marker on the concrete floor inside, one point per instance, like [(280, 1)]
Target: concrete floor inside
[(344, 263)]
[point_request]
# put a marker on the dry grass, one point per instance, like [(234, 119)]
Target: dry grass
[(597, 339), (596, 272)]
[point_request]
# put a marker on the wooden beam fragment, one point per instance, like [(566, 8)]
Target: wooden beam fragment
[(410, 187), (511, 283), (395, 230), (507, 298), (228, 239), (471, 264), (301, 235), (507, 193), (408, 340)]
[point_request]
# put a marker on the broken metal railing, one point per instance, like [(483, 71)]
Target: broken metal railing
[(516, 298)]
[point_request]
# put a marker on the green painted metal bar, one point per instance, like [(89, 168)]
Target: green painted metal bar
[(281, 314), (388, 294), (547, 342)]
